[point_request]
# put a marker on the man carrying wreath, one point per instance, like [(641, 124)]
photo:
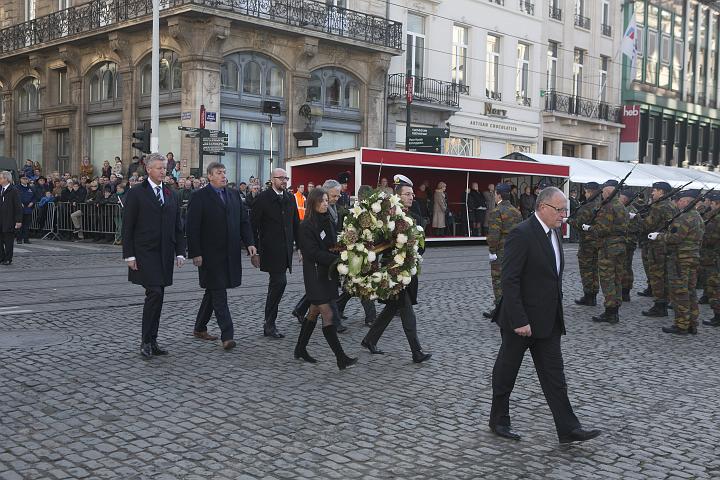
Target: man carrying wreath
[(403, 303)]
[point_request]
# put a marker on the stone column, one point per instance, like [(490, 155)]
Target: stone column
[(129, 114), (80, 132), (10, 149), (556, 147), (586, 150)]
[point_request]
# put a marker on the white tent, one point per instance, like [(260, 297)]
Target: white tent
[(583, 170)]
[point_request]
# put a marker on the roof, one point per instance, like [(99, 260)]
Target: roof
[(583, 170)]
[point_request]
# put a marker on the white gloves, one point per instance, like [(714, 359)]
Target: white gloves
[(632, 215), (586, 227), (492, 257), (653, 235)]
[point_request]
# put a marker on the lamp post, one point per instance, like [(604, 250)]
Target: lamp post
[(271, 108)]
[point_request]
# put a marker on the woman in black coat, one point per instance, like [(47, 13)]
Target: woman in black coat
[(317, 235)]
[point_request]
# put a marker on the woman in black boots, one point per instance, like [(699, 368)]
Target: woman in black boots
[(317, 234)]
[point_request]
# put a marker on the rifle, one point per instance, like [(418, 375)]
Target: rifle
[(587, 200), (712, 217), (644, 210), (687, 209), (612, 195)]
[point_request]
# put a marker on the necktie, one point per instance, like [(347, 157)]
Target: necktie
[(159, 197), (552, 247), (222, 195)]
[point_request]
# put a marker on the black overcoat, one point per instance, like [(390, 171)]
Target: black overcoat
[(315, 238), (10, 209), (153, 234), (275, 223), (217, 231)]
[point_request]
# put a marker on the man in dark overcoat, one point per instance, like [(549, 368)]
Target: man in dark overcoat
[(217, 225), (10, 216), (153, 241), (275, 222)]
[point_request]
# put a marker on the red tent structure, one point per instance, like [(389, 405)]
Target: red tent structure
[(368, 166)]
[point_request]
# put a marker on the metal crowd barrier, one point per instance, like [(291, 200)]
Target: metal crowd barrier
[(63, 217)]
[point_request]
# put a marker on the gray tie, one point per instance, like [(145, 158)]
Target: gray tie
[(159, 197)]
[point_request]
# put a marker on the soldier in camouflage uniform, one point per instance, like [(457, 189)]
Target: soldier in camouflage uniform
[(660, 213), (610, 228), (707, 258), (626, 196), (644, 243), (588, 247), (682, 239), (501, 220), (712, 240)]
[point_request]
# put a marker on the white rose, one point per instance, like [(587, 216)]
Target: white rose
[(367, 235), (399, 259), (402, 238), (379, 224), (413, 271), (405, 280), (360, 247), (420, 229), (344, 256), (376, 207), (391, 225), (371, 256), (342, 268)]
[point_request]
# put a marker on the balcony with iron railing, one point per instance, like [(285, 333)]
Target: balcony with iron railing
[(555, 13), (606, 30), (101, 15), (582, 22), (527, 7), (523, 99), (427, 90), (582, 107), (493, 95)]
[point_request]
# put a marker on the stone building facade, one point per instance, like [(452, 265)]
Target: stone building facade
[(75, 81)]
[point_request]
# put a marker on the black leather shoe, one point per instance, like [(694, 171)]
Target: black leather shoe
[(6, 262), (505, 432), (297, 315), (146, 350), (645, 293), (372, 348), (489, 314), (704, 300), (713, 322), (692, 330), (156, 350), (272, 332), (579, 435), (675, 330), (419, 356), (344, 362)]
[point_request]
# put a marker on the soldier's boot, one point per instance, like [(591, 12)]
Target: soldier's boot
[(626, 295), (659, 309), (713, 322), (589, 300), (610, 315), (646, 293), (704, 300)]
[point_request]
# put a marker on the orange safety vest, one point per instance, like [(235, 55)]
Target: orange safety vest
[(300, 200)]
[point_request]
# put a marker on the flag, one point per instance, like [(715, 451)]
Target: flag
[(629, 47)]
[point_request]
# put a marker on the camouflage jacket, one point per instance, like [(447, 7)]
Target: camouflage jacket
[(710, 249), (501, 220), (684, 236), (657, 218), (584, 215), (633, 231), (611, 226)]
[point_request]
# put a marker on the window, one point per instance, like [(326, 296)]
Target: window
[(251, 78), (314, 91), (552, 61), (352, 95), (332, 141), (578, 72), (691, 53), (604, 67), (605, 14), (104, 83), (651, 62), (335, 89), (713, 60), (492, 80), (275, 83), (523, 74), (28, 96), (61, 79), (63, 143), (580, 8), (252, 75), (415, 52), (106, 143), (229, 79), (459, 146), (2, 113), (31, 145), (170, 74), (248, 152), (702, 57), (678, 49), (459, 55), (332, 91)]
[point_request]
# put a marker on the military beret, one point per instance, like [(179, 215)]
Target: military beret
[(343, 177), (664, 186), (713, 196), (627, 192), (610, 183), (688, 193), (402, 180), (592, 186), (503, 188)]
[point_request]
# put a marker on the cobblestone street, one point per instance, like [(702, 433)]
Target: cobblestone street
[(77, 401)]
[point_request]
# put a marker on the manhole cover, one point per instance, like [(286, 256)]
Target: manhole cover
[(31, 338)]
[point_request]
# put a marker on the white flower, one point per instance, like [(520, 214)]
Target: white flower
[(342, 268), (367, 235), (391, 284), (391, 225), (399, 259), (415, 247), (405, 279), (420, 229), (413, 271), (373, 297), (356, 210), (344, 256), (360, 247), (376, 277), (371, 256), (402, 238), (356, 280), (376, 207)]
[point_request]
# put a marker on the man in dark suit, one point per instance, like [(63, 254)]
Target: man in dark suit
[(11, 213), (530, 316), (217, 223), (152, 241), (275, 222)]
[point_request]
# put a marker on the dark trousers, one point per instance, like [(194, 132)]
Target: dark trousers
[(276, 288), (547, 356), (7, 240), (302, 306), (215, 300), (367, 304), (24, 233), (151, 313), (407, 317)]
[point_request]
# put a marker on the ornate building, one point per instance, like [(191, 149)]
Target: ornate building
[(75, 81)]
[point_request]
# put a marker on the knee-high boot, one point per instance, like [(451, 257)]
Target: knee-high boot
[(343, 361), (306, 331)]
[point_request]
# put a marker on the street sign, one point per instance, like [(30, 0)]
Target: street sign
[(423, 141), (434, 149), (429, 132), (211, 116)]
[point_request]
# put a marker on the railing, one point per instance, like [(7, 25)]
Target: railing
[(427, 90), (523, 100), (555, 13), (309, 14), (582, 107), (582, 22), (527, 7), (606, 30), (492, 95)]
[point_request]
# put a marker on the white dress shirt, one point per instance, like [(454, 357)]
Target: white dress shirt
[(555, 242)]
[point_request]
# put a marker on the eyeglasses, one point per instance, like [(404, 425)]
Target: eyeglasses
[(557, 210), (407, 194), (283, 178)]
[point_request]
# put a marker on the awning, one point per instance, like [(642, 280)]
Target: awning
[(584, 170)]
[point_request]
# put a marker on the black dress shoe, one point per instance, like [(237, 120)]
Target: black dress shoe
[(489, 314), (372, 348), (713, 322), (674, 329), (7, 262), (419, 356), (299, 316), (704, 300), (272, 332), (505, 432), (156, 350), (645, 293), (146, 350), (579, 435)]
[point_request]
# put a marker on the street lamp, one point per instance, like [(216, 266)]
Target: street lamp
[(271, 108)]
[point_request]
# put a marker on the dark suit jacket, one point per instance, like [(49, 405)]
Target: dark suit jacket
[(152, 234), (10, 209), (531, 285), (216, 231), (315, 238), (275, 223)]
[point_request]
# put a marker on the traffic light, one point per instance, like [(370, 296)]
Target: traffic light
[(143, 134)]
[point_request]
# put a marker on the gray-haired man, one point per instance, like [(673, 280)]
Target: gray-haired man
[(10, 216)]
